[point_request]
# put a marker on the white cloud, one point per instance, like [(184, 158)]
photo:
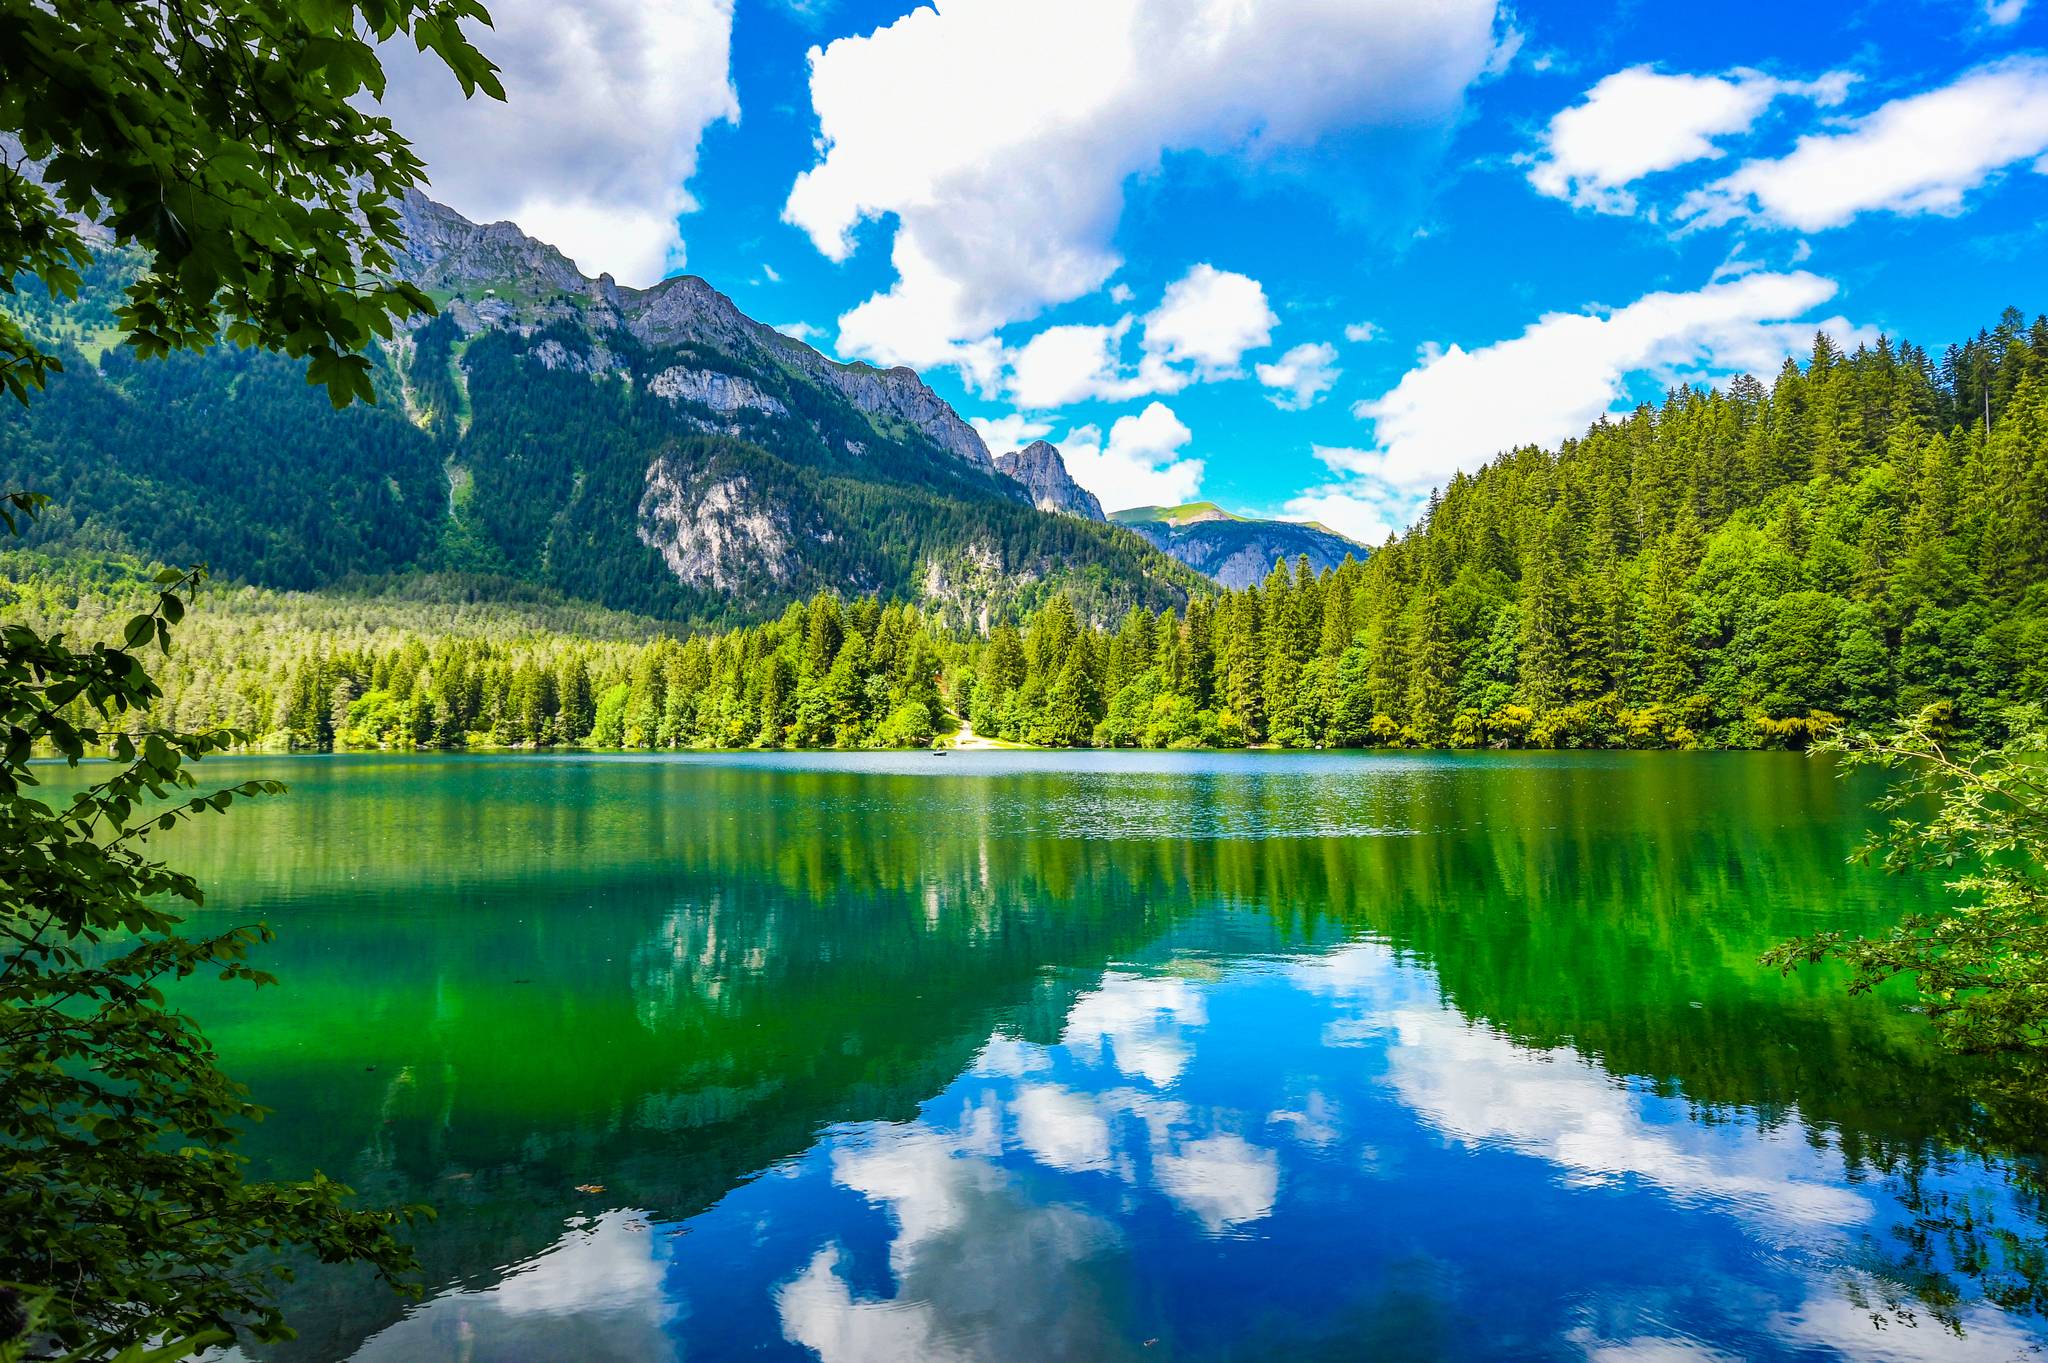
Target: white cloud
[(593, 148), (1005, 433), (1210, 318), (1838, 1325), (1140, 465), (1359, 509), (1120, 294), (1479, 1089), (802, 331), (1077, 363), (1005, 204), (770, 273), (1459, 408), (1200, 332), (2003, 13), (1302, 375), (1358, 333), (1641, 120), (1644, 1349), (981, 1271), (1920, 154)]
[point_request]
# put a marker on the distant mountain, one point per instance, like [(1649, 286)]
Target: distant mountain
[(1039, 467), (653, 450), (458, 261), (1234, 550)]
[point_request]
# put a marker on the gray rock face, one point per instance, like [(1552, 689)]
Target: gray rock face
[(554, 355), (1039, 467), (721, 533), (722, 393), (446, 250), (902, 395), (686, 309)]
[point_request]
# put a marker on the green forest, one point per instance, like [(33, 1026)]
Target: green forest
[(501, 457), (1864, 536)]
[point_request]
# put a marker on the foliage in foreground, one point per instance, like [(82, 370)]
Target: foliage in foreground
[(232, 145), (1980, 964), (124, 1214)]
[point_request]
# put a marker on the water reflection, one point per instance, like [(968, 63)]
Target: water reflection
[(1166, 1057), (1568, 1213), (598, 1293)]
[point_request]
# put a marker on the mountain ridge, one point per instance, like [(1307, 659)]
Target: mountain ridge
[(647, 450), (1233, 550), (445, 249), (1042, 469)]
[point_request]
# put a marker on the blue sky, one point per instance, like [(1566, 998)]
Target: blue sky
[(1300, 257)]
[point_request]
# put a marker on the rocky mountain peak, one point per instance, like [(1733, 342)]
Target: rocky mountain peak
[(508, 279), (445, 250), (1039, 467)]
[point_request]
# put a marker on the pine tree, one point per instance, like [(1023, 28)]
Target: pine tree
[(1432, 670), (1545, 651)]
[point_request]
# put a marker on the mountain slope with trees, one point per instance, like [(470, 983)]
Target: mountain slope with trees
[(652, 451), (1744, 568)]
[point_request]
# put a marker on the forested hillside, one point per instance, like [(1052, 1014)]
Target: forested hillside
[(1863, 536), (652, 451)]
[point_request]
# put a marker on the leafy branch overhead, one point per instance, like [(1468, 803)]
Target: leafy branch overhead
[(236, 145)]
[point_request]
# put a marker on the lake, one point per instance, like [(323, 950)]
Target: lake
[(1035, 1056)]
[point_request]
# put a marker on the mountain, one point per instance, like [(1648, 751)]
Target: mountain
[(652, 450), (1039, 467), (1236, 551)]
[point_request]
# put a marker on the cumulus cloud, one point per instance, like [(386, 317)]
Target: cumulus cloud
[(1642, 120), (1480, 1090), (1920, 154), (2003, 13), (1835, 1324), (1200, 332), (1210, 318), (1459, 407), (1301, 376), (1076, 363), (1005, 433), (1000, 135), (1360, 509), (1061, 1128), (982, 1271), (1358, 333), (595, 144), (1140, 464)]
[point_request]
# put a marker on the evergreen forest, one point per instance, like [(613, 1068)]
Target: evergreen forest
[(1863, 536)]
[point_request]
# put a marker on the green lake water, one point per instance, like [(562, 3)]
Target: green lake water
[(1032, 1056)]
